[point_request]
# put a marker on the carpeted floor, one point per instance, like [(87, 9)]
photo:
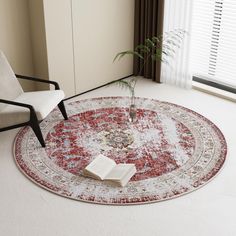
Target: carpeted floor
[(29, 210)]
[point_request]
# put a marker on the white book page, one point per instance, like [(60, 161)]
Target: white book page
[(100, 166), (128, 176), (119, 172)]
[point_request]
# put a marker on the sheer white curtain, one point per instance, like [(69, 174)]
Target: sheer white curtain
[(178, 15)]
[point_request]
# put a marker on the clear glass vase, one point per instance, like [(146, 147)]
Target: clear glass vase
[(132, 112)]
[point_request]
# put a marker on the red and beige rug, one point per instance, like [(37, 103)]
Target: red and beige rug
[(175, 150)]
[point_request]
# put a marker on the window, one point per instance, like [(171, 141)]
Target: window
[(214, 42)]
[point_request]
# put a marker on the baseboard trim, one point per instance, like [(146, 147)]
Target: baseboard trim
[(214, 91), (90, 90)]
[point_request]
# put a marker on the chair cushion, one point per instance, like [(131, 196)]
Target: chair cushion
[(42, 101)]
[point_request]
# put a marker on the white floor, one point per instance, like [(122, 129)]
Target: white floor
[(28, 210)]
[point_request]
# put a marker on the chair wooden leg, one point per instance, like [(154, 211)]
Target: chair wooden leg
[(61, 106), (34, 123)]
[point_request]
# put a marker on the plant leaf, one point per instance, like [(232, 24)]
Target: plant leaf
[(156, 39), (156, 57), (124, 85), (142, 48), (149, 43), (172, 42), (122, 54), (168, 48)]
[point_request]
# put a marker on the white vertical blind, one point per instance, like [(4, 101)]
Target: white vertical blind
[(214, 41)]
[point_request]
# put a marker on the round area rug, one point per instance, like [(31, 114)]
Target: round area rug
[(175, 150)]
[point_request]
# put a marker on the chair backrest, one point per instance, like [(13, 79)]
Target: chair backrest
[(10, 87)]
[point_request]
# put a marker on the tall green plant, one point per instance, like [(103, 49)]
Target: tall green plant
[(158, 48)]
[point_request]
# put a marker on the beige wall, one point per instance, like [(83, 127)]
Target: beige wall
[(70, 41), (58, 26), (101, 28), (38, 37), (82, 39), (15, 39)]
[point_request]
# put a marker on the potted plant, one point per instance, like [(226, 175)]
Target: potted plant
[(157, 48)]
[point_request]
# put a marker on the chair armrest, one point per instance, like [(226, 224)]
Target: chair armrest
[(39, 80), (17, 104)]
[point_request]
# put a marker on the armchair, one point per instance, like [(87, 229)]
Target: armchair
[(19, 108)]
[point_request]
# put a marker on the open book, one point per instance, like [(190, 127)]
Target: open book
[(104, 168)]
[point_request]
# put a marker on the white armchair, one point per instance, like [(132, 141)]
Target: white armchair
[(19, 108)]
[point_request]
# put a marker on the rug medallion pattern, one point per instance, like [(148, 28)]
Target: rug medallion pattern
[(174, 149)]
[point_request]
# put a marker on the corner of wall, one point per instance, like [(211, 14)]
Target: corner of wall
[(15, 39)]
